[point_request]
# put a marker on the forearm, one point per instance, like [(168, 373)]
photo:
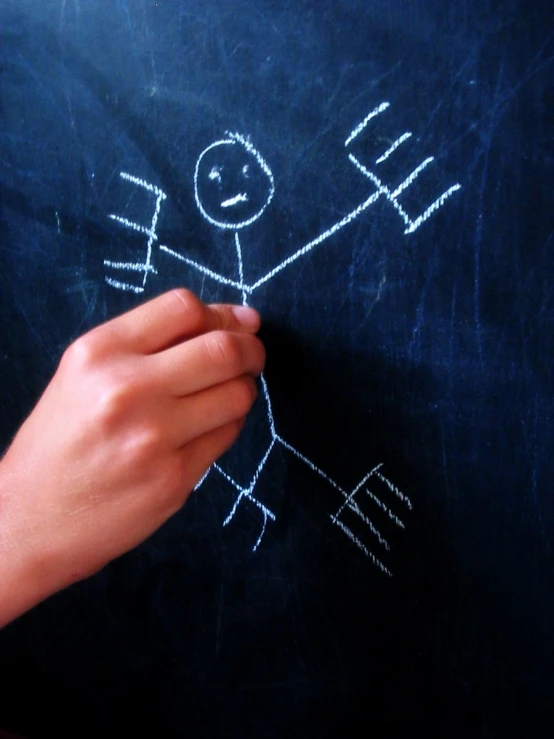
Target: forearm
[(25, 579)]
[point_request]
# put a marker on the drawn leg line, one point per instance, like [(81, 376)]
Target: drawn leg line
[(153, 234), (310, 464)]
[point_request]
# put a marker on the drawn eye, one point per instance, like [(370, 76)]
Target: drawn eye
[(246, 171), (215, 174)]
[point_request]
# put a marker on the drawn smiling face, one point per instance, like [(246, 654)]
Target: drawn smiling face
[(233, 185)]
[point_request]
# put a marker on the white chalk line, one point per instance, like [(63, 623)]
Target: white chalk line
[(365, 550), (131, 224), (243, 493), (381, 189), (412, 177), (439, 202), (384, 508), (233, 140), (247, 493), (357, 131), (142, 183), (412, 225), (147, 267), (257, 476), (400, 495), (132, 267), (241, 268), (214, 275), (124, 285), (261, 536), (394, 147), (249, 289), (353, 506), (349, 498), (269, 407), (312, 244), (202, 479), (240, 198), (310, 464), (366, 478), (229, 478), (153, 236)]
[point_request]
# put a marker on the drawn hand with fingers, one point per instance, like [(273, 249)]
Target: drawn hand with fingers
[(233, 186)]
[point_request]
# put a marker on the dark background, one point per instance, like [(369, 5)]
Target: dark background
[(430, 353)]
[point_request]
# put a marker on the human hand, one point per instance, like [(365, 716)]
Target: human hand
[(137, 411)]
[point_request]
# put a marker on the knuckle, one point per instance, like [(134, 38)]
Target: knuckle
[(144, 443), (241, 396), (224, 349), (260, 354), (254, 354), (187, 302), (114, 398), (86, 350), (170, 486), (224, 317)]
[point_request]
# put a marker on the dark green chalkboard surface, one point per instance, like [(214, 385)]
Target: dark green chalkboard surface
[(374, 558)]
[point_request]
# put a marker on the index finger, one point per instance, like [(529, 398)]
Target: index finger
[(175, 316)]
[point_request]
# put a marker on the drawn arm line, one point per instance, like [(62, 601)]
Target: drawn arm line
[(269, 406), (316, 242), (214, 275)]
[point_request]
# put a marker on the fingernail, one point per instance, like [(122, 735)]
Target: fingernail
[(247, 317)]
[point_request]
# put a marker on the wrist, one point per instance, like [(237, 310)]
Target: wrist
[(26, 574)]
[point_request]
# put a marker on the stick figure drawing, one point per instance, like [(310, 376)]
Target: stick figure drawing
[(233, 187)]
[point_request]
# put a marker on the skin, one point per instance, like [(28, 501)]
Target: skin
[(138, 410)]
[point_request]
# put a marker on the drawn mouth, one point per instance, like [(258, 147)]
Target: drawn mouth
[(240, 198)]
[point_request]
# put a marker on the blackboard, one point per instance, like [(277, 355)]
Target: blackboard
[(375, 555)]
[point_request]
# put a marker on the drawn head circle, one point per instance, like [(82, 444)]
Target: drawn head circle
[(233, 184)]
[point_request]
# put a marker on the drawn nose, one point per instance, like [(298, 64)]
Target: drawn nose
[(240, 198)]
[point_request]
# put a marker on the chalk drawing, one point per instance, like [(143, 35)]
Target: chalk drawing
[(233, 187), (217, 175), (359, 128), (145, 267), (393, 148)]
